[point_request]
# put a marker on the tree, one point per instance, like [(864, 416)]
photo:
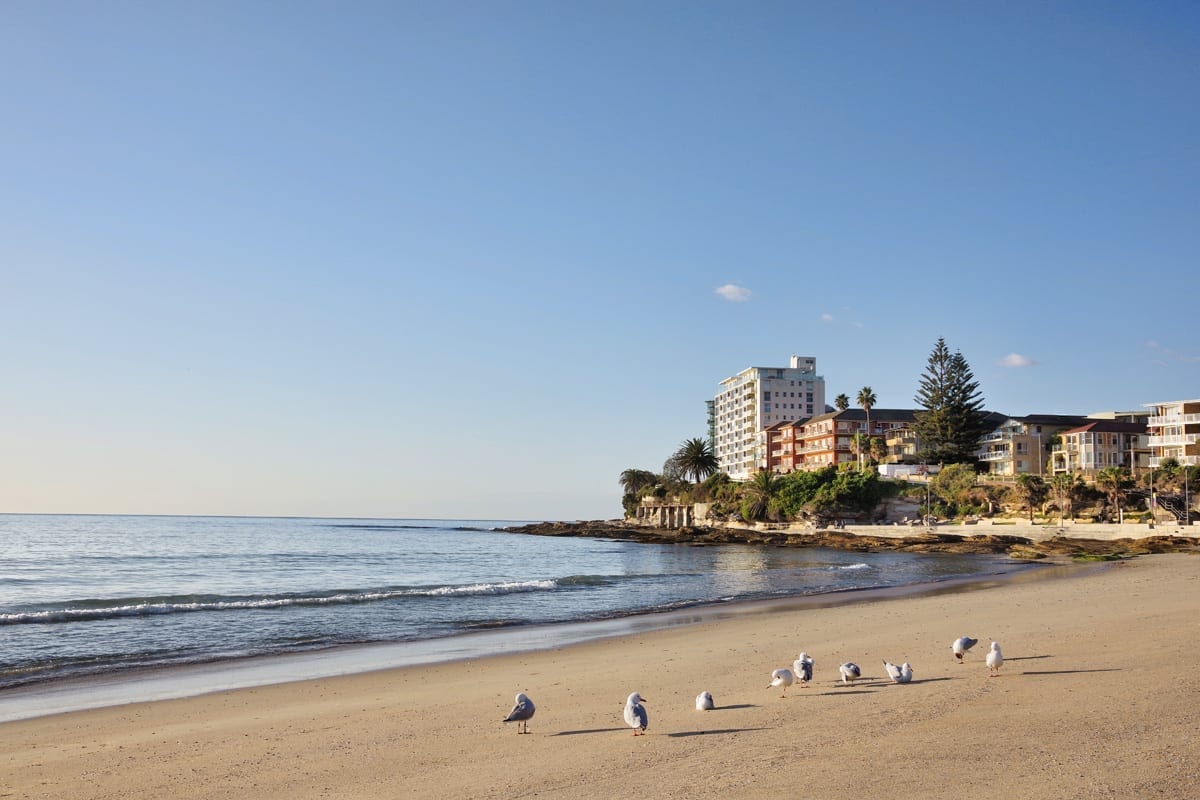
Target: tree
[(878, 449), (859, 444), (1113, 481), (841, 402), (694, 459), (866, 401), (951, 420), (635, 480), (1065, 486), (955, 486), (756, 499), (1031, 490)]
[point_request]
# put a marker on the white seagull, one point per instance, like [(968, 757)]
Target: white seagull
[(521, 713), (961, 645), (635, 714), (803, 667), (782, 677), (850, 672), (901, 674), (995, 659), (704, 702)]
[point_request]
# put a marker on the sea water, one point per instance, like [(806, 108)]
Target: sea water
[(98, 595)]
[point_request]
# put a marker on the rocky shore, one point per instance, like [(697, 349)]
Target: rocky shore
[(921, 540)]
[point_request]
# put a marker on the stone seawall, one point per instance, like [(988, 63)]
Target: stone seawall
[(1037, 533)]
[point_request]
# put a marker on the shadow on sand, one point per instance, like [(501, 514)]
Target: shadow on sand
[(1069, 671), (718, 731), (593, 730)]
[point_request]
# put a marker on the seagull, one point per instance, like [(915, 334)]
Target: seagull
[(961, 645), (782, 677), (803, 668), (635, 714), (901, 674), (521, 713), (704, 702), (995, 659), (850, 672)]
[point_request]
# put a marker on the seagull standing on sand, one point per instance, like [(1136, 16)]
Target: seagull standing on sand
[(803, 668), (782, 677), (850, 672), (901, 674), (521, 713), (995, 660), (635, 714), (704, 702), (961, 645)]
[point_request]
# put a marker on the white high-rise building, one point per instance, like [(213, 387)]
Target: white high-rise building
[(756, 398)]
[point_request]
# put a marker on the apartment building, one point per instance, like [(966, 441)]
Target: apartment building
[(1174, 432), (785, 446), (1020, 445), (753, 400), (828, 438), (1098, 445)]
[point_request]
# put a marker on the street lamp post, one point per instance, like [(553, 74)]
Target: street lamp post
[(1153, 500), (1187, 505)]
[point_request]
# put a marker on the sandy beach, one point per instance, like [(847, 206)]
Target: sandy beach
[(1097, 698)]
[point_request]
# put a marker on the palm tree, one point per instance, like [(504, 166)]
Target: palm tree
[(866, 399), (1065, 485), (859, 445), (1113, 481), (1032, 491), (841, 402), (878, 449), (634, 480), (695, 459), (758, 494)]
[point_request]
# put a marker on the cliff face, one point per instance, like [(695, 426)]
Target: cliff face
[(918, 542)]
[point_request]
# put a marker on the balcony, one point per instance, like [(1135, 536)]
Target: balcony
[(1185, 461), (1173, 419), (995, 455), (1174, 441)]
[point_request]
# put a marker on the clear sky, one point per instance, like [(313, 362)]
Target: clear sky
[(473, 259)]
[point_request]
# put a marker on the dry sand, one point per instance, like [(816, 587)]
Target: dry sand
[(1099, 697)]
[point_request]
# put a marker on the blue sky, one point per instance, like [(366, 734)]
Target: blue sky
[(466, 259)]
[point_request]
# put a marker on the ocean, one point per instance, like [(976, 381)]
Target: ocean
[(105, 595)]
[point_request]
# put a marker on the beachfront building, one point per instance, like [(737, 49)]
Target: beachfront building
[(755, 399), (1097, 445), (828, 438), (1174, 429), (1018, 446), (785, 443)]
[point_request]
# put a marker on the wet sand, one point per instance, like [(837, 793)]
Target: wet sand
[(1097, 698)]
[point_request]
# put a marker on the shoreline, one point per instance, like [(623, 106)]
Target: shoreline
[(1089, 703), (1024, 541), (181, 681)]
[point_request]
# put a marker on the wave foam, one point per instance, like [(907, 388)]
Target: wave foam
[(147, 608)]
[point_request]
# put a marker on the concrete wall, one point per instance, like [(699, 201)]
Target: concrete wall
[(1037, 533)]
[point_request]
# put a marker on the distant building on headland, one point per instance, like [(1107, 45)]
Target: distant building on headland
[(1175, 432), (775, 419), (755, 399)]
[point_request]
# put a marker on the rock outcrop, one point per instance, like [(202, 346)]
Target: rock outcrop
[(918, 542)]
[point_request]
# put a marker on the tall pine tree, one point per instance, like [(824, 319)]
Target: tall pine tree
[(951, 420)]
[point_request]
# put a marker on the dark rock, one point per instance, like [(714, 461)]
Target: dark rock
[(923, 542)]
